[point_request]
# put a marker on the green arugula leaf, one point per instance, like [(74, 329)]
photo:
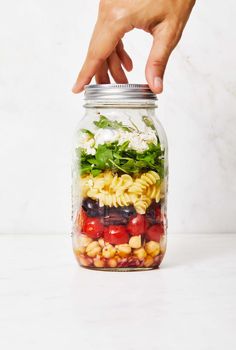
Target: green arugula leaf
[(121, 159), (104, 122), (95, 172), (148, 122), (86, 131), (103, 155), (124, 146), (85, 170)]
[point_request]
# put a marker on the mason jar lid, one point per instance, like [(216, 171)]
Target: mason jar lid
[(103, 92)]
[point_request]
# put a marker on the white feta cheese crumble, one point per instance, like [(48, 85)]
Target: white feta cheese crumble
[(87, 143), (138, 141), (105, 135)]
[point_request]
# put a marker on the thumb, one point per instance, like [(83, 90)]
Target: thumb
[(157, 60)]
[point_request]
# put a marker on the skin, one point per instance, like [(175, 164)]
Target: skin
[(163, 19)]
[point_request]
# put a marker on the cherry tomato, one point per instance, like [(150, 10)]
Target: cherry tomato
[(155, 232), (93, 227), (137, 225), (116, 234)]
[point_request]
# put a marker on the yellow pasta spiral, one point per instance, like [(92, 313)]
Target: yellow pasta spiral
[(145, 180), (93, 193), (121, 184), (84, 186), (142, 203), (154, 192), (114, 190), (113, 200)]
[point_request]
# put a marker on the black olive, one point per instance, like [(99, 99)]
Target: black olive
[(151, 213), (115, 220), (112, 215), (127, 211), (91, 207)]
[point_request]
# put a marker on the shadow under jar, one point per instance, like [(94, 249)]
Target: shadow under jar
[(119, 185)]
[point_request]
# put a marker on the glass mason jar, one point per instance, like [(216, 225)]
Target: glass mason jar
[(119, 180)]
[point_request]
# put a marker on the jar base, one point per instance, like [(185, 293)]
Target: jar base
[(120, 269), (87, 263)]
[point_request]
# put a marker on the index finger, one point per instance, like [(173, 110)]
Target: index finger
[(102, 43)]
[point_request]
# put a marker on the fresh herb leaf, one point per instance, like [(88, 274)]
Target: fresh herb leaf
[(121, 159), (103, 156), (95, 172), (124, 146), (148, 122), (104, 122), (135, 126), (118, 166), (86, 131), (86, 169), (92, 161)]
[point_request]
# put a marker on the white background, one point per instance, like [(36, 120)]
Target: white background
[(43, 44)]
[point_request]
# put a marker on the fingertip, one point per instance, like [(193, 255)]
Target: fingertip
[(157, 85), (116, 70), (154, 80), (122, 80), (129, 66), (79, 85), (76, 89), (126, 60)]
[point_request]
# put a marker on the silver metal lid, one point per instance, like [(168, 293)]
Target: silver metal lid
[(103, 92)]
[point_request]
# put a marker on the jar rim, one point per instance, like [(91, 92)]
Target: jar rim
[(118, 92)]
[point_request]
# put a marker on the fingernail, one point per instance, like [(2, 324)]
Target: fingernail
[(158, 83)]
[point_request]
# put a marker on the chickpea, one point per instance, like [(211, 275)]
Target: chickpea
[(148, 261), (112, 262), (101, 242), (84, 261), (140, 253), (123, 250), (98, 261), (93, 249), (80, 250), (135, 242), (118, 259), (108, 251), (152, 248), (84, 241)]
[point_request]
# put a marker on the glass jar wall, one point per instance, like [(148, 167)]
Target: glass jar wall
[(119, 183)]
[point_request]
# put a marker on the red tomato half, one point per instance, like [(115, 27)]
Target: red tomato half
[(137, 225), (116, 234), (93, 228), (155, 232)]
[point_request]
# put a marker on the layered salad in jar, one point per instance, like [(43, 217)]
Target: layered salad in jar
[(119, 219)]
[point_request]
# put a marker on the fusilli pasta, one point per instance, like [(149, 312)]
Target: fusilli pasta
[(145, 180), (154, 192), (124, 199), (142, 203), (113, 190)]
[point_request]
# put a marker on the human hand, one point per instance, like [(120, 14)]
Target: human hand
[(164, 19)]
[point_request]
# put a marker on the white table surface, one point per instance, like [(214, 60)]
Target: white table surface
[(48, 302)]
